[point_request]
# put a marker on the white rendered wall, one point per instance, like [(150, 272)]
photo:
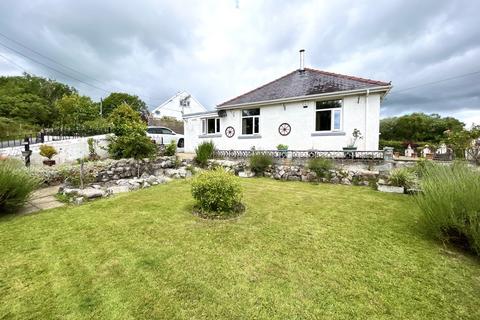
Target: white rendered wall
[(68, 150), (355, 115), (173, 108)]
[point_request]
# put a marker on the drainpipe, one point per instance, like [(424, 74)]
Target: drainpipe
[(366, 119)]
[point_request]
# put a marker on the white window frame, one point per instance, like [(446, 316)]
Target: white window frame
[(332, 116), (253, 122), (216, 125)]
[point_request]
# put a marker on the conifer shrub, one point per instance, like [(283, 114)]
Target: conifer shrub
[(203, 152)]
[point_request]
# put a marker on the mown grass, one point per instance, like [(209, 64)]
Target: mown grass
[(301, 251)]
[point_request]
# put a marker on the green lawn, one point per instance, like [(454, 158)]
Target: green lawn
[(301, 251)]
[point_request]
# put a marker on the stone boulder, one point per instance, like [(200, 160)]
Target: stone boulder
[(117, 189), (91, 193), (246, 174)]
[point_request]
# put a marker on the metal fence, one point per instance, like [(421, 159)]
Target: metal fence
[(51, 134), (303, 154)]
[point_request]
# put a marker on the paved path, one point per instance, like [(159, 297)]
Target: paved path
[(42, 199)]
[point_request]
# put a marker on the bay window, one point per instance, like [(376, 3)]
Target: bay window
[(250, 121), (328, 115)]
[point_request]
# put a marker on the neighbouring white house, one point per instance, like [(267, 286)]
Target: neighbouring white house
[(305, 109), (177, 106)]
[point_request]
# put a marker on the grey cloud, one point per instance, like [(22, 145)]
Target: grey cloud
[(155, 48)]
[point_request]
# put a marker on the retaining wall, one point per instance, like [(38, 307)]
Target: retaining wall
[(68, 150)]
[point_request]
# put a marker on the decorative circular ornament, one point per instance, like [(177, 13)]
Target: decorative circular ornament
[(284, 129), (229, 132)]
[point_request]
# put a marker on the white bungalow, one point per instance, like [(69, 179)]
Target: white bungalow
[(305, 109), (178, 105)]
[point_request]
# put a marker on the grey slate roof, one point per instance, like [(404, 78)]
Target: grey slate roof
[(303, 83)]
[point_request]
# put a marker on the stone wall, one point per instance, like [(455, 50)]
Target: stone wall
[(348, 174), (105, 171), (130, 168)]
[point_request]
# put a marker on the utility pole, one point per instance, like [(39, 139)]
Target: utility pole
[(101, 106)]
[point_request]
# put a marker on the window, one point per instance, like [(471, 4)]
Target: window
[(328, 115), (250, 121), (154, 130), (166, 131), (157, 130), (211, 125)]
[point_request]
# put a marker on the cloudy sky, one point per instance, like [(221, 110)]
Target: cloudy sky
[(219, 49)]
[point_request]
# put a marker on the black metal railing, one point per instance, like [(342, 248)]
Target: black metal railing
[(303, 154)]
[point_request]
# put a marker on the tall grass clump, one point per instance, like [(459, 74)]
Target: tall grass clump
[(258, 162), (402, 177), (450, 204), (16, 185), (204, 151)]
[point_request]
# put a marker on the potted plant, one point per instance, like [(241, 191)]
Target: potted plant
[(48, 152), (283, 148), (351, 147)]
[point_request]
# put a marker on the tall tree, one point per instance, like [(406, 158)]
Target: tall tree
[(74, 110), (115, 99), (31, 99), (418, 127)]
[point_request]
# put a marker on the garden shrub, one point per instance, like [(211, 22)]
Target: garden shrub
[(282, 147), (16, 185), (321, 167), (218, 194), (134, 145), (130, 140), (47, 151), (402, 177), (204, 151), (171, 148), (450, 204), (92, 152), (259, 162)]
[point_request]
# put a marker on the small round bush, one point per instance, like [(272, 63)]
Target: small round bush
[(218, 194), (16, 185)]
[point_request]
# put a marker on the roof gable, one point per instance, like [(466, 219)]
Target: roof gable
[(303, 83)]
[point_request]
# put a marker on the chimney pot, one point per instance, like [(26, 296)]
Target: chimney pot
[(302, 59)]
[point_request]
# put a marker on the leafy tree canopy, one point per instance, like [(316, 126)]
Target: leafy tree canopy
[(74, 109), (125, 120), (115, 99), (31, 99), (418, 127)]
